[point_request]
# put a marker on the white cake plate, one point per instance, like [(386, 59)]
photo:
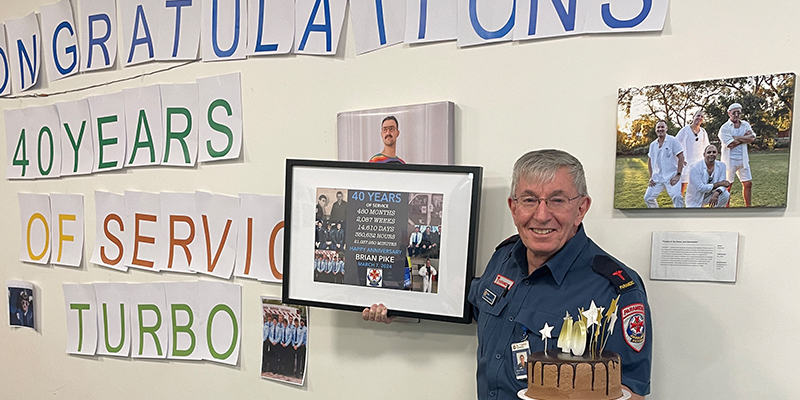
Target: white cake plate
[(521, 394)]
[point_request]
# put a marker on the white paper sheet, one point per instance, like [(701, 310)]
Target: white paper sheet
[(81, 311), (139, 21), (628, 15), (431, 21), (146, 242), (224, 30), (187, 339), (150, 320), (113, 319), (77, 154), (483, 21), (110, 230), (45, 127), (68, 231), (221, 307), (181, 119), (178, 36), (218, 230), (5, 67), (220, 99), (178, 216), (550, 18), (694, 256), (25, 41), (259, 253), (62, 59), (98, 34), (35, 227), (271, 28), (315, 31), (144, 143), (377, 23), (108, 142)]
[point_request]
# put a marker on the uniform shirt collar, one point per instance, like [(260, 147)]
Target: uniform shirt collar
[(560, 263)]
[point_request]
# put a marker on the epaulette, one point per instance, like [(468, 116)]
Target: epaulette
[(511, 240), (608, 267)]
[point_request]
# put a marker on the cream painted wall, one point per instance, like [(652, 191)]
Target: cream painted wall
[(712, 341)]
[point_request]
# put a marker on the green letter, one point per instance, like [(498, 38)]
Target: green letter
[(42, 171), (21, 146), (219, 128), (179, 136), (105, 142), (185, 329), (75, 144), (214, 311), (80, 308), (150, 329), (122, 328), (148, 143)]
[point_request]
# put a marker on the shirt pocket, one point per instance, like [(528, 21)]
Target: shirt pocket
[(534, 320)]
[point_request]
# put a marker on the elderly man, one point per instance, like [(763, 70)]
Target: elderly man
[(694, 139), (735, 134), (707, 182), (664, 164), (390, 131), (550, 267)]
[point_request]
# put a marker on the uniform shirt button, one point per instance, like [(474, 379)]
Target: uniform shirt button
[(497, 356), (491, 393), (527, 283), (510, 319)]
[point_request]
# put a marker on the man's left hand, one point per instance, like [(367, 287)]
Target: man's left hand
[(675, 179)]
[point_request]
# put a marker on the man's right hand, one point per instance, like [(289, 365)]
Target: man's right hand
[(651, 183), (377, 313)]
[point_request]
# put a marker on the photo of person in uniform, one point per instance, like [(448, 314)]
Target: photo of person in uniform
[(20, 304), (285, 340), (428, 134), (390, 131)]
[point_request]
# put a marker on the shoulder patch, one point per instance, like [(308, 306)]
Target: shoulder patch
[(606, 266), (510, 240)]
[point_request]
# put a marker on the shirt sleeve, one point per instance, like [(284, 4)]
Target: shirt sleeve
[(677, 146), (634, 341), (725, 134)]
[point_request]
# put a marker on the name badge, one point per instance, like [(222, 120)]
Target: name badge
[(503, 282), (489, 297), (520, 351)]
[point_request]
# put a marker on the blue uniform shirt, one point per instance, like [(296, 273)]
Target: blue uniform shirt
[(300, 336), (288, 336), (276, 335), (566, 282)]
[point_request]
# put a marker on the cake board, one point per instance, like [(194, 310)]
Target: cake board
[(521, 394)]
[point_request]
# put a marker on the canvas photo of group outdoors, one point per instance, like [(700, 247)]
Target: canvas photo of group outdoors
[(715, 143)]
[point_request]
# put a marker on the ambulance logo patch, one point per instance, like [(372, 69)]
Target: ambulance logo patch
[(375, 277), (633, 326)]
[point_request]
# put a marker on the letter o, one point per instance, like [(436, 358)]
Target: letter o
[(210, 323), (38, 257)]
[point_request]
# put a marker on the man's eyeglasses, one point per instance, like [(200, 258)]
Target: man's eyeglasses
[(554, 203), (388, 129)]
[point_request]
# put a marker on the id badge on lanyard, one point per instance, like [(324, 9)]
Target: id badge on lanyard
[(520, 352)]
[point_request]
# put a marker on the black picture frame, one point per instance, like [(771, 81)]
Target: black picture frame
[(383, 203)]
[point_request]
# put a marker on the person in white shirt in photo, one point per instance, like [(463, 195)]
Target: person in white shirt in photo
[(735, 135), (427, 273), (694, 140), (664, 163), (707, 182)]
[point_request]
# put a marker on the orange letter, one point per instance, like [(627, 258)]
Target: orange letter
[(212, 265), (249, 246), (144, 239), (112, 238), (183, 242), (40, 217), (272, 237)]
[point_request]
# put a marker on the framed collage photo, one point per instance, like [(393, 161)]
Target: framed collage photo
[(399, 234)]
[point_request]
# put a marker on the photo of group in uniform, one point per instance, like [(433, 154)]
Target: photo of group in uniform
[(424, 241), (285, 341), (331, 218), (20, 304), (707, 144)]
